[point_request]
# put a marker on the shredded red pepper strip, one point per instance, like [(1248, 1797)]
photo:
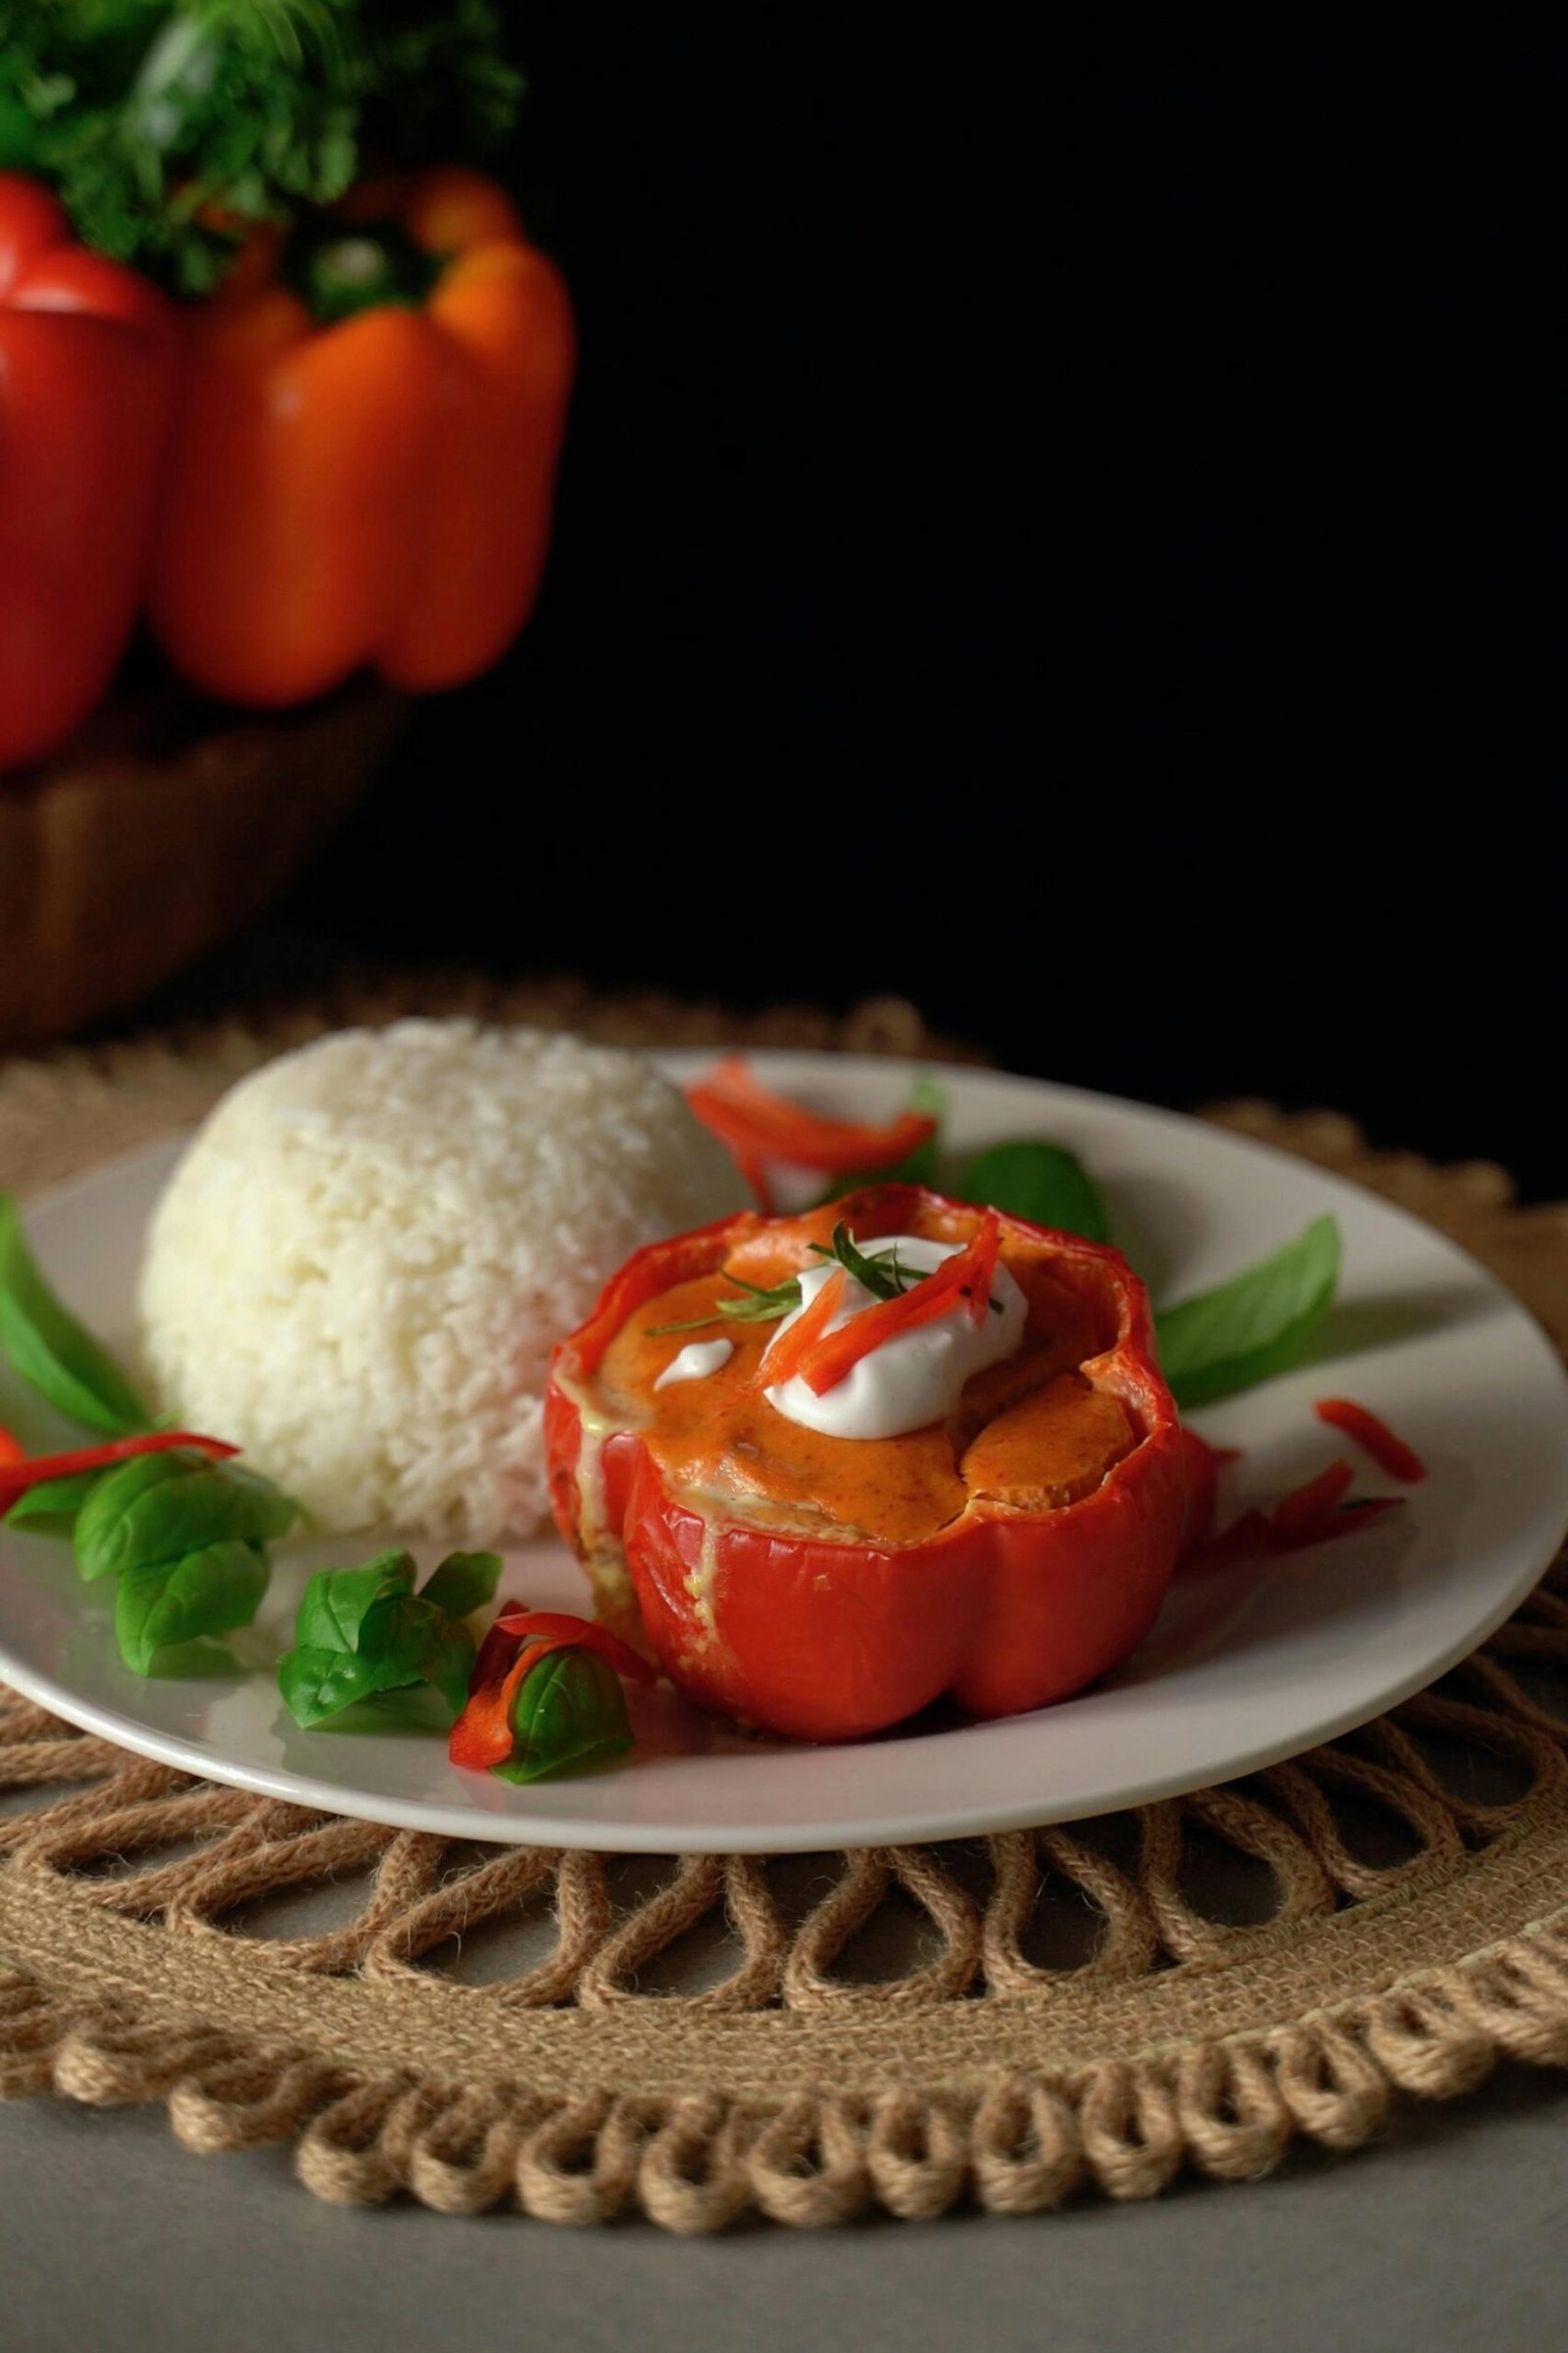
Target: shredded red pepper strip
[(1356, 1515), (482, 1734), (967, 1274), (1255, 1536), (1343, 1522), (559, 1624), (17, 1477), (762, 1126), (1313, 1501), (789, 1350), (1202, 1465), (514, 1647), (1374, 1437), (1244, 1539), (11, 1449)]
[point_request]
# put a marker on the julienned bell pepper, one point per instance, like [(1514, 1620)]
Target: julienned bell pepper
[(87, 364), (367, 448), (1032, 1536)]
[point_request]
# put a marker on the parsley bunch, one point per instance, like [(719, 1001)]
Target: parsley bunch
[(156, 119)]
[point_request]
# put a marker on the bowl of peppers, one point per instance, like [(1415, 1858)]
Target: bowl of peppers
[(283, 380)]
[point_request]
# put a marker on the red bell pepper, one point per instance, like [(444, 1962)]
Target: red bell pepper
[(789, 1351), (1306, 1506), (19, 1472), (1004, 1607), (1387, 1451), (1203, 1464), (1310, 1516), (87, 368), (756, 1127)]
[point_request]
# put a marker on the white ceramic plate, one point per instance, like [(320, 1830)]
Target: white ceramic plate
[(1245, 1666)]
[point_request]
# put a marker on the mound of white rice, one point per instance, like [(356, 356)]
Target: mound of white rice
[(358, 1268)]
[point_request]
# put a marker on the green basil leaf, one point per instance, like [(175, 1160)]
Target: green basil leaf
[(162, 1602), (449, 1663), (317, 1685), (414, 1708), (52, 1506), (1043, 1182), (397, 1626), (465, 1581), (337, 1601), (50, 1350), (101, 1540), (753, 1306), (873, 1275), (568, 1714), (193, 1503), (362, 1633), (411, 1632), (1255, 1325)]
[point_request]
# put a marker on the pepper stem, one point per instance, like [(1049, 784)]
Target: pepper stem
[(339, 272)]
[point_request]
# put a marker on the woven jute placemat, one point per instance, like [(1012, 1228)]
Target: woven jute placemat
[(1009, 2021)]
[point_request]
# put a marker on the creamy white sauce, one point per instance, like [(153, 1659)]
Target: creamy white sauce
[(696, 1360), (917, 1377)]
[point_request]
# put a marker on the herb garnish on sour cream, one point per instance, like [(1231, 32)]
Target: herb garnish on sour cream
[(913, 1375), (878, 1272)]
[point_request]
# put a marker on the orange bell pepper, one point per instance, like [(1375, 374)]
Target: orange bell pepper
[(372, 487), (87, 361)]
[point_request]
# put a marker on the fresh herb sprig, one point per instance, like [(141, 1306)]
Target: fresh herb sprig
[(545, 1697), (168, 126), (570, 1714), (184, 1537), (1043, 1182), (755, 1306), (1257, 1325), (50, 1350), (878, 1271), (365, 1634), (52, 1506), (186, 1540)]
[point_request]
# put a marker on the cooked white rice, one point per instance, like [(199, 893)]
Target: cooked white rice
[(358, 1269)]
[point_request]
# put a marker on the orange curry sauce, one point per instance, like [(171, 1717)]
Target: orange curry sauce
[(1031, 1432)]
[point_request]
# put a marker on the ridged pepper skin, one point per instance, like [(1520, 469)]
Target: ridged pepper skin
[(1004, 1611), (374, 492), (88, 355)]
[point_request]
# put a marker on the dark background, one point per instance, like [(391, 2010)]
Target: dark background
[(1056, 530)]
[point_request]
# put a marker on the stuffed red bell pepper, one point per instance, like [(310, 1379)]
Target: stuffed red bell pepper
[(87, 364), (826, 1469)]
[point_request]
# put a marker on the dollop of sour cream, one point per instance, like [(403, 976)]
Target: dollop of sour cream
[(696, 1360), (914, 1378)]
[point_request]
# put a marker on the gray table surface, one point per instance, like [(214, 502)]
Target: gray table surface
[(1449, 2234)]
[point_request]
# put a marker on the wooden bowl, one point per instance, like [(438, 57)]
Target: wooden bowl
[(155, 833)]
